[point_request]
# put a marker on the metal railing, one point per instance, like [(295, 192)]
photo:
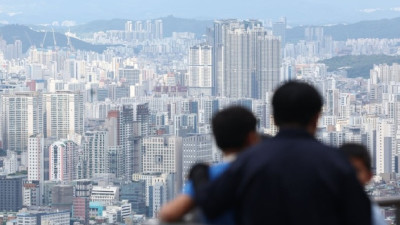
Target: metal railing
[(392, 201)]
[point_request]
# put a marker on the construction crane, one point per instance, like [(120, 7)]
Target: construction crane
[(69, 44), (44, 39), (29, 38), (54, 39)]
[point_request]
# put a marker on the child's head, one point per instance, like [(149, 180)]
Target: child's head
[(360, 159), (234, 129)]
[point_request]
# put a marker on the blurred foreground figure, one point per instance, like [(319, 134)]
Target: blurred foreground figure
[(291, 178), (361, 160), (234, 129)]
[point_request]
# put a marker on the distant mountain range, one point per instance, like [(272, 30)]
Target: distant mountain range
[(29, 38), (34, 34), (298, 11), (358, 65), (170, 24), (386, 28)]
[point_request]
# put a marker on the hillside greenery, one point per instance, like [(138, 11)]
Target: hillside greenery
[(170, 24), (22, 172), (385, 28), (358, 66), (29, 38)]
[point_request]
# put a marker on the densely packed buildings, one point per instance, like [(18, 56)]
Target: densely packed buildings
[(111, 136)]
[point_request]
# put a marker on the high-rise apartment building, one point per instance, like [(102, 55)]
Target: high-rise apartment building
[(62, 160), (246, 59), (10, 194), (120, 126), (36, 158), (22, 116), (200, 66), (279, 30), (158, 29), (96, 152), (10, 163), (143, 120), (195, 148), (314, 33), (128, 26), (385, 146), (64, 114), (162, 154), (12, 51)]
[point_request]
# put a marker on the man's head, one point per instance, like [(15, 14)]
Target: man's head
[(360, 159), (234, 129), (297, 104)]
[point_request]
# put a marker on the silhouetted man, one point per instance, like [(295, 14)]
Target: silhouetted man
[(291, 178)]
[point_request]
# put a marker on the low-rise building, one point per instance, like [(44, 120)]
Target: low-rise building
[(106, 195), (43, 216)]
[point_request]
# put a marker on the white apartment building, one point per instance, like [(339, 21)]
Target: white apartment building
[(22, 116), (44, 218), (62, 160), (11, 164), (196, 148), (200, 66), (36, 158), (162, 154), (64, 114), (96, 149), (385, 146)]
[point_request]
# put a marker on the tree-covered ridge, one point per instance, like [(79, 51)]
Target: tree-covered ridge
[(358, 66), (386, 28), (29, 38)]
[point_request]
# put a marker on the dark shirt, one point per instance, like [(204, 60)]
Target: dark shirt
[(289, 179)]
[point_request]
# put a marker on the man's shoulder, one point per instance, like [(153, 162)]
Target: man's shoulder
[(217, 169), (307, 145), (310, 150)]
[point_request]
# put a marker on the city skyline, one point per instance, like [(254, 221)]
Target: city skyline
[(305, 12), (104, 123)]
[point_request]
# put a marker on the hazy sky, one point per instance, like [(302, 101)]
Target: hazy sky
[(297, 11)]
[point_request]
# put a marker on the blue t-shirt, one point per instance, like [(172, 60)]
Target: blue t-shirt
[(214, 172)]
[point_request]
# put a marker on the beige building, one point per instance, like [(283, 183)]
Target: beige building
[(64, 114)]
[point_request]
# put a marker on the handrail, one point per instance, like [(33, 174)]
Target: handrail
[(392, 201), (388, 201)]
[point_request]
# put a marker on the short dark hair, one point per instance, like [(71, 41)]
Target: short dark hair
[(296, 102), (358, 151), (231, 127)]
